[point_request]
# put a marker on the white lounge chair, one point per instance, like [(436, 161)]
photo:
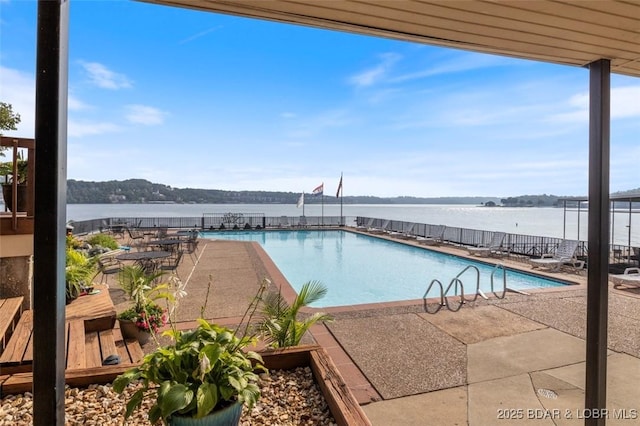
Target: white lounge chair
[(630, 277), (492, 248), (405, 234), (283, 222), (382, 230), (366, 226), (565, 254), (434, 239)]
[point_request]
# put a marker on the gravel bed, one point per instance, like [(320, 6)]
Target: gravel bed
[(289, 398)]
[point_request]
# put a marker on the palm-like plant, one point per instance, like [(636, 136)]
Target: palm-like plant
[(145, 293), (79, 271), (140, 286), (281, 327)]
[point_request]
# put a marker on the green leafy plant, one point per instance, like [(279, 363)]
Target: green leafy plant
[(281, 326), (148, 318), (103, 240), (79, 272), (204, 370), (6, 169), (72, 242), (144, 291), (9, 120)]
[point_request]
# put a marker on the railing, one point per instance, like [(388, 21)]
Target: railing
[(458, 289), (209, 222), (499, 267), (20, 221)]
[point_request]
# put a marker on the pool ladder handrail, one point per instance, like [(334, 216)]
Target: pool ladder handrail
[(504, 280), (444, 298), (424, 296), (504, 283)]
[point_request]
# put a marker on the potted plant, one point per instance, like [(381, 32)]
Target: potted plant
[(6, 170), (204, 377), (79, 273), (145, 316), (140, 321)]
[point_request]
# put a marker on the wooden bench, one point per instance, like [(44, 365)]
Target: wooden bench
[(96, 310), (10, 310), (18, 352), (85, 351)]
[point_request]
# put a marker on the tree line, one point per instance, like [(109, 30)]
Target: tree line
[(134, 191)]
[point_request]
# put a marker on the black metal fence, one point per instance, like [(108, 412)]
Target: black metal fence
[(210, 221)]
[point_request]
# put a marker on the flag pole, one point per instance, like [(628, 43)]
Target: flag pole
[(322, 203), (303, 203), (341, 195)]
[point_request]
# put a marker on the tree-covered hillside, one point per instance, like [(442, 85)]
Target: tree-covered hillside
[(133, 191)]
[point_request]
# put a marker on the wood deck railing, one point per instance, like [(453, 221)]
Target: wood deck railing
[(15, 222)]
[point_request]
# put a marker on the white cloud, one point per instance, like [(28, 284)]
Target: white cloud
[(142, 114), (104, 78), (326, 120), (75, 104), (459, 63), (375, 74), (19, 90), (625, 103), (77, 129)]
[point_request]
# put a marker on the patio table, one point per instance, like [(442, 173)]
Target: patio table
[(167, 244), (146, 259)]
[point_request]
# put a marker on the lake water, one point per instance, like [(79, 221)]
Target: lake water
[(544, 221)]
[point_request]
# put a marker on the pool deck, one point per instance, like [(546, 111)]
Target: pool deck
[(519, 360)]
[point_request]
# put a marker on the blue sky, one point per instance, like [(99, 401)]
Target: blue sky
[(194, 99)]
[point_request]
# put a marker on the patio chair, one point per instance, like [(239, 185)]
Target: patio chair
[(630, 277), (565, 254), (381, 230), (191, 246), (134, 235), (405, 234), (435, 239), (108, 266), (366, 225), (283, 222), (302, 222), (492, 248), (171, 264)]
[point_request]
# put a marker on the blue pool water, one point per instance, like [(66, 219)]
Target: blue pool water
[(360, 269)]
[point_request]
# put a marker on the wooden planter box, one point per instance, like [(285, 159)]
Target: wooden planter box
[(343, 405)]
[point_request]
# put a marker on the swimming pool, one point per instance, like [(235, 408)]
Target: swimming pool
[(360, 269)]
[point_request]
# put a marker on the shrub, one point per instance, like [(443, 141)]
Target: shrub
[(103, 240), (281, 326)]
